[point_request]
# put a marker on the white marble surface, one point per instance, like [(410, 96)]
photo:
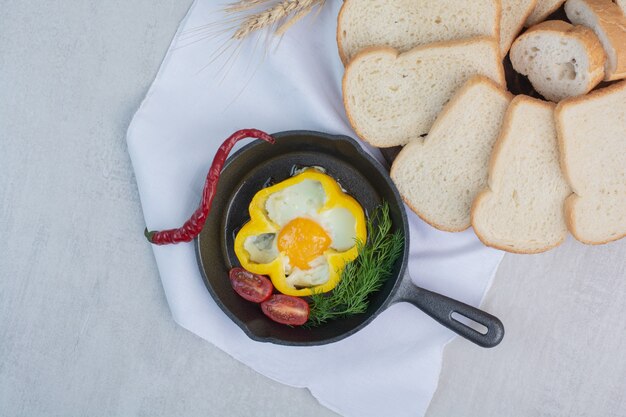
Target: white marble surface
[(84, 327)]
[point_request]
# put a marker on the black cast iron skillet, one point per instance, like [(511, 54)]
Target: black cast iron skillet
[(258, 165)]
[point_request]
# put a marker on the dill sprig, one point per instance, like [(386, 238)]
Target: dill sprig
[(362, 276)]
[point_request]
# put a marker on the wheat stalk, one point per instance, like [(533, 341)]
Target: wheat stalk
[(286, 11), (243, 5)]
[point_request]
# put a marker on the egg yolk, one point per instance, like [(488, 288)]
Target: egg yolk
[(303, 240)]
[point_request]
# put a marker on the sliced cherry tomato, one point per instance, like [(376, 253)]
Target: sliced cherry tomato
[(286, 309), (252, 287)]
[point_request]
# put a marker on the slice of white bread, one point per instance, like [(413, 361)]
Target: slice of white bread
[(609, 23), (521, 210), (406, 24), (439, 176), (592, 139), (542, 10), (560, 60), (391, 98), (514, 14)]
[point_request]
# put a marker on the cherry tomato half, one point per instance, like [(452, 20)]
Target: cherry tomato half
[(286, 309), (252, 287)]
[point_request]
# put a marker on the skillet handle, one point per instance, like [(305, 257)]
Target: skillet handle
[(441, 308)]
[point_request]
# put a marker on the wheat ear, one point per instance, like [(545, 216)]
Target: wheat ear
[(272, 16)]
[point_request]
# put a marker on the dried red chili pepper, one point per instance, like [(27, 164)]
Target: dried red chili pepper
[(194, 225)]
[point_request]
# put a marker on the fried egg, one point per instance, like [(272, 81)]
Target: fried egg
[(302, 232)]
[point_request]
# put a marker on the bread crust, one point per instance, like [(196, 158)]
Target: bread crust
[(548, 26), (485, 193), (498, 26), (613, 22), (477, 79), (570, 202), (342, 53)]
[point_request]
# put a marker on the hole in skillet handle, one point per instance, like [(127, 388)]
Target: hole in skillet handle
[(472, 323), (469, 322)]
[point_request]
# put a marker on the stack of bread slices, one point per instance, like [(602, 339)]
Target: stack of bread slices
[(428, 75)]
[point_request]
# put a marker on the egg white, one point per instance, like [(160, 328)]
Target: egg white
[(303, 199), (262, 249), (318, 274)]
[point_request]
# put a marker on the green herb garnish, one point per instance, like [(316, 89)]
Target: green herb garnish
[(362, 276)]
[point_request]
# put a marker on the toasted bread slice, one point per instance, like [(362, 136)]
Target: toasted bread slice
[(521, 210), (391, 98), (592, 139), (439, 176)]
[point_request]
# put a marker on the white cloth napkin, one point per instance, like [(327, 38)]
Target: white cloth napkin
[(392, 366)]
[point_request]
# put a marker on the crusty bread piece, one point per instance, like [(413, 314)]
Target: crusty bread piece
[(622, 5), (592, 139), (391, 98), (514, 14), (406, 24), (560, 60), (522, 208), (608, 22), (542, 10), (439, 176)]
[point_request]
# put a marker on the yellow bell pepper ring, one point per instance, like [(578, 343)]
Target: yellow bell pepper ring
[(302, 232)]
